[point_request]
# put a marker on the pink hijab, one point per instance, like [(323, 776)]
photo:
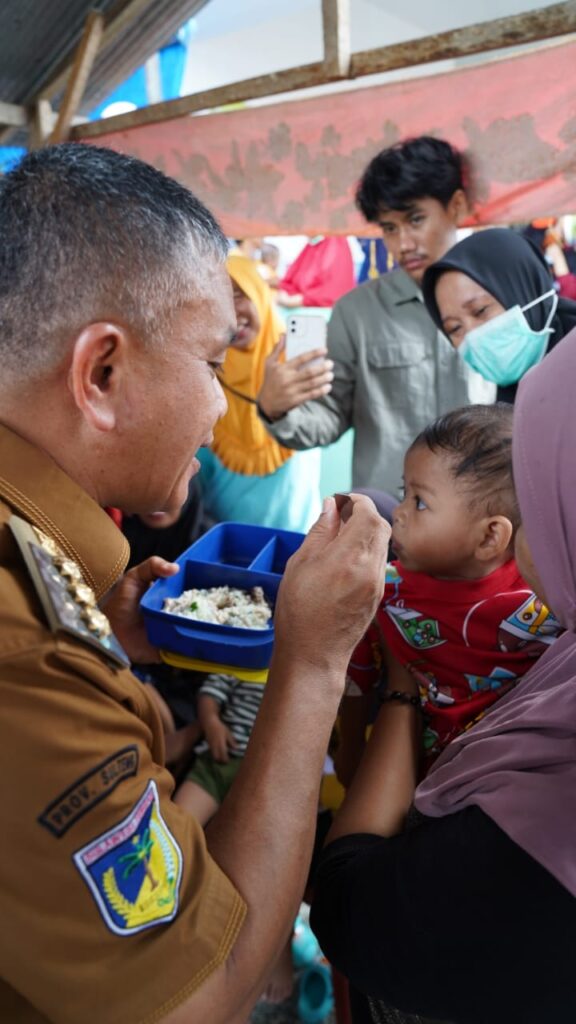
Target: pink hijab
[(519, 763)]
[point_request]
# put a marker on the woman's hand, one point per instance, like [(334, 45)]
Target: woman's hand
[(288, 384), (122, 607)]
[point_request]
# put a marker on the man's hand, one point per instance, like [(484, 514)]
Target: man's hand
[(332, 586), (122, 607), (288, 384)]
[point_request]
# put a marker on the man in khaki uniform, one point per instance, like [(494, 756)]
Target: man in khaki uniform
[(115, 310)]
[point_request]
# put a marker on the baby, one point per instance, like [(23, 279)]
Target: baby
[(456, 613)]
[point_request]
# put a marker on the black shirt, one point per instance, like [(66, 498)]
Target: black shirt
[(451, 920)]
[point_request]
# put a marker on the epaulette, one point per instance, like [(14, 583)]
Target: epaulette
[(68, 602)]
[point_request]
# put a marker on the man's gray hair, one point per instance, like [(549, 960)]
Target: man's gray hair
[(88, 234)]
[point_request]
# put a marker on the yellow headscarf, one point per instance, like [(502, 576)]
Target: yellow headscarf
[(241, 440)]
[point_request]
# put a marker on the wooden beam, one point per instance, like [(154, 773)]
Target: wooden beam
[(516, 30), (519, 29), (13, 115), (252, 88), (122, 23), (336, 30), (40, 123), (81, 68)]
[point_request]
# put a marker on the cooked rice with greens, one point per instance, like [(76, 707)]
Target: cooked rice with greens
[(225, 606)]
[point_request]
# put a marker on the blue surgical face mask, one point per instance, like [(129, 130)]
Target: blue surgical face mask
[(504, 348)]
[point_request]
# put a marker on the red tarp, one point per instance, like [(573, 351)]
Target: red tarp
[(291, 167)]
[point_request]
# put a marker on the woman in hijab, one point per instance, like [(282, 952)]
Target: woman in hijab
[(248, 476), (494, 298), (469, 915)]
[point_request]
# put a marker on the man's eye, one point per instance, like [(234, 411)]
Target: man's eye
[(417, 218), (388, 229)]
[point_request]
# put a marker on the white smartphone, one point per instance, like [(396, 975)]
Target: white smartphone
[(304, 334)]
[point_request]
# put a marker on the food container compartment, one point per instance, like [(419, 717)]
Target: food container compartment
[(274, 556), (232, 544), (230, 554)]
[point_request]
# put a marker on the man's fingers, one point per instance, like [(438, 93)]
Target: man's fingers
[(152, 569), (325, 528), (364, 521)]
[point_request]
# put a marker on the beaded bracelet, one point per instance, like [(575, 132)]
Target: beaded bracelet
[(402, 697)]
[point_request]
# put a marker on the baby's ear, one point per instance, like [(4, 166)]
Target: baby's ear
[(496, 538)]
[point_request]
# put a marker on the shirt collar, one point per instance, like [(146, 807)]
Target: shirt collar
[(404, 289), (34, 486)]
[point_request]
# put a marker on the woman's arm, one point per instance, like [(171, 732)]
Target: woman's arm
[(383, 786)]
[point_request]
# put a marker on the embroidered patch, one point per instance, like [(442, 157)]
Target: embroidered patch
[(134, 870), (89, 790)]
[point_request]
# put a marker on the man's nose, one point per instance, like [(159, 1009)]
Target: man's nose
[(407, 243)]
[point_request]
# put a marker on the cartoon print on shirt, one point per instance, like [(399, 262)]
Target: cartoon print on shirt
[(393, 580), (499, 679), (429, 688), (531, 628), (418, 630)]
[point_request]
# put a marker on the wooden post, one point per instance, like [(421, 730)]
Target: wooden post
[(40, 123), (79, 74), (336, 27)]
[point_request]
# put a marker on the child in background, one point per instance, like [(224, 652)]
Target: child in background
[(227, 709), (456, 614), (168, 534)]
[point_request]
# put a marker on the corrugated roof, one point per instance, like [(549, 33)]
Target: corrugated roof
[(39, 38)]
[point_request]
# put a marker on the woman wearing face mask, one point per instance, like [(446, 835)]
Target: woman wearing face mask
[(494, 298), (247, 476)]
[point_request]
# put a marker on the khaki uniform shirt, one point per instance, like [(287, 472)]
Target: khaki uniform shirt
[(394, 373), (113, 912)]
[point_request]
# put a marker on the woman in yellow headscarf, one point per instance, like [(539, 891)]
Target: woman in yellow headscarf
[(248, 476)]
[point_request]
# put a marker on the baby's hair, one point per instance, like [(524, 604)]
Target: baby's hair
[(478, 442)]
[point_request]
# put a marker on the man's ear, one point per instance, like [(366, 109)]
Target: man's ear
[(97, 369), (496, 538), (458, 206)]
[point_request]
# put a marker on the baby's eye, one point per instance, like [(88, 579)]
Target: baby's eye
[(420, 504)]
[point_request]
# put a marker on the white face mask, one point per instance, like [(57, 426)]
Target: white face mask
[(504, 348)]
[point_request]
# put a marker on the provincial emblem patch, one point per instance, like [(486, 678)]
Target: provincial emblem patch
[(134, 870)]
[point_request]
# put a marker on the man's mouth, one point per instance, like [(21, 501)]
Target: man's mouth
[(413, 262)]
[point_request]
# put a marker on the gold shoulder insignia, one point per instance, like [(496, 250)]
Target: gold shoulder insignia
[(68, 602)]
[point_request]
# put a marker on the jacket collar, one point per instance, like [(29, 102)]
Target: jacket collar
[(34, 486)]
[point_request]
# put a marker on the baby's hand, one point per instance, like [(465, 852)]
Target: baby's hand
[(220, 740)]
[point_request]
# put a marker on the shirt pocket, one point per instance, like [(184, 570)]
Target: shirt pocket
[(399, 372)]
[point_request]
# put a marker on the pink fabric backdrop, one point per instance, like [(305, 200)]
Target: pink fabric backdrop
[(291, 167)]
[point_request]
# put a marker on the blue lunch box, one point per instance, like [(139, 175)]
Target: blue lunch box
[(233, 555)]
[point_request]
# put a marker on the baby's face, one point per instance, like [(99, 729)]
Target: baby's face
[(433, 527)]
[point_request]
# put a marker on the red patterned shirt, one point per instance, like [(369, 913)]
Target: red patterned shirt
[(467, 642)]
